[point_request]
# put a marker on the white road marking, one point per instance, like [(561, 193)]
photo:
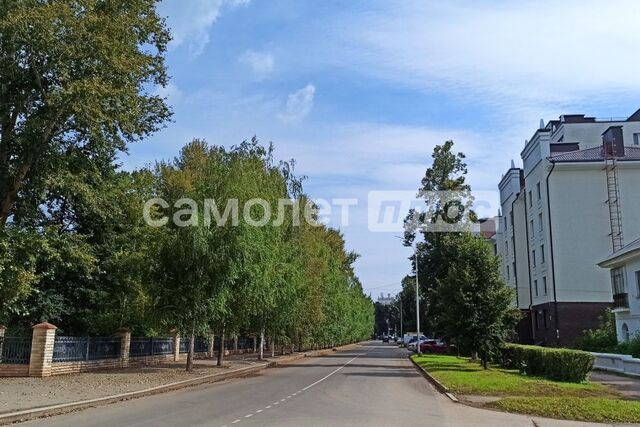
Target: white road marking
[(268, 407), (248, 416), (259, 410), (235, 422), (276, 403), (282, 400), (324, 378)]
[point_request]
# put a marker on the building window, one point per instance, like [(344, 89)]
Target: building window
[(535, 286), (530, 200), (542, 257), (625, 332), (617, 281), (544, 315), (511, 216), (544, 285), (638, 283), (539, 193), (495, 249), (540, 222), (636, 139), (508, 274), (532, 228), (533, 257)]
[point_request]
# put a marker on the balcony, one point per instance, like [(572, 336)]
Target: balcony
[(621, 301)]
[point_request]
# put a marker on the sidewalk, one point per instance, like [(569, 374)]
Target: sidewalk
[(18, 394), (627, 386)]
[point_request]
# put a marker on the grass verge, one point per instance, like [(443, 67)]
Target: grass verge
[(592, 409), (530, 395)]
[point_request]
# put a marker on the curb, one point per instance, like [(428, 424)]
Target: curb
[(437, 384), (47, 411)]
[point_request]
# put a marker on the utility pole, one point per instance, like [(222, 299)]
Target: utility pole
[(401, 336), (417, 306)]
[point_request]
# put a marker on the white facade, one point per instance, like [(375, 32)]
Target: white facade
[(624, 269), (554, 241)]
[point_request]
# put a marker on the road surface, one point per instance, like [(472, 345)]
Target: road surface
[(371, 385)]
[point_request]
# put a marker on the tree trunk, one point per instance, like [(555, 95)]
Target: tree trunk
[(235, 344), (273, 348), (221, 351), (190, 353), (261, 349)]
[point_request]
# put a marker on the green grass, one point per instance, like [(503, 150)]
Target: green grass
[(573, 408), (464, 377), (531, 395)]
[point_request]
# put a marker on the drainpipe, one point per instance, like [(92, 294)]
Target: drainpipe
[(513, 243), (553, 266), (526, 228)]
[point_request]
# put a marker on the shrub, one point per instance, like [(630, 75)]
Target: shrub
[(556, 364), (601, 340)]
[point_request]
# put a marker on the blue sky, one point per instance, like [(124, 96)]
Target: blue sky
[(359, 92)]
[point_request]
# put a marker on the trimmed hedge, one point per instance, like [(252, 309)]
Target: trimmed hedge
[(558, 364)]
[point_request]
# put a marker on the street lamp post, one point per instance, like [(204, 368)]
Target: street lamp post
[(417, 306)]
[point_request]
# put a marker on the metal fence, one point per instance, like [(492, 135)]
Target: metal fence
[(201, 345), (15, 350), (72, 349), (142, 346)]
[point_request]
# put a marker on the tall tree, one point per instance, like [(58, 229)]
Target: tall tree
[(76, 85), (474, 304)]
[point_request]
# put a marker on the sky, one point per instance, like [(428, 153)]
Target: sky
[(359, 92)]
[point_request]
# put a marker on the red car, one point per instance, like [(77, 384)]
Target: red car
[(434, 346)]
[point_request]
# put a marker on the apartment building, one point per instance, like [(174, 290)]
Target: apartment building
[(563, 212)]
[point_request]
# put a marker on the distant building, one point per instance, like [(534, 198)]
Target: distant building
[(388, 300), (563, 212)]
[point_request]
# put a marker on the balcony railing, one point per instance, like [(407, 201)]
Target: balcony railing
[(621, 300)]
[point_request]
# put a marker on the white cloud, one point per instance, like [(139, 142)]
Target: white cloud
[(299, 104), (171, 92), (542, 52), (261, 63), (190, 21)]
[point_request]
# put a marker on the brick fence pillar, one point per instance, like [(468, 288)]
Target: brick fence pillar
[(212, 341), (176, 344), (125, 345), (44, 335)]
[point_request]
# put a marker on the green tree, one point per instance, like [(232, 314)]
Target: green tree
[(473, 303), (76, 81)]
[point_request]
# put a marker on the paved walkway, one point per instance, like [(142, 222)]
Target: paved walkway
[(625, 385)]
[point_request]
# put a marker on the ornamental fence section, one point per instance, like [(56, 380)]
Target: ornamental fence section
[(15, 350), (73, 349)]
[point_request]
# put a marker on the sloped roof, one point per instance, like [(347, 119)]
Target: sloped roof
[(594, 155), (626, 250)]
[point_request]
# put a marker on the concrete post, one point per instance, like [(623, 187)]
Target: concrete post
[(125, 345), (44, 335), (176, 344), (2, 331), (212, 337)]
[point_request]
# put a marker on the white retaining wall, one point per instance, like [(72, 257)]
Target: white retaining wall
[(620, 363)]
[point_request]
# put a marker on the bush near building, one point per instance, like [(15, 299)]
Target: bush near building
[(556, 364)]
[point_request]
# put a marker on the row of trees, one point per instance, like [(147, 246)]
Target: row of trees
[(463, 297), (75, 249)]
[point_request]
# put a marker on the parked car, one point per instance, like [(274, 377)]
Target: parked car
[(385, 338), (412, 345), (434, 346)]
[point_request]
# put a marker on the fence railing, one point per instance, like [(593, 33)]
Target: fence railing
[(71, 349), (15, 350), (142, 346)]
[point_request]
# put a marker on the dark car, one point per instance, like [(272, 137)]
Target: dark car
[(434, 346), (385, 338)]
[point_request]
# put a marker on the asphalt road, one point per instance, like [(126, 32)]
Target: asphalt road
[(372, 385)]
